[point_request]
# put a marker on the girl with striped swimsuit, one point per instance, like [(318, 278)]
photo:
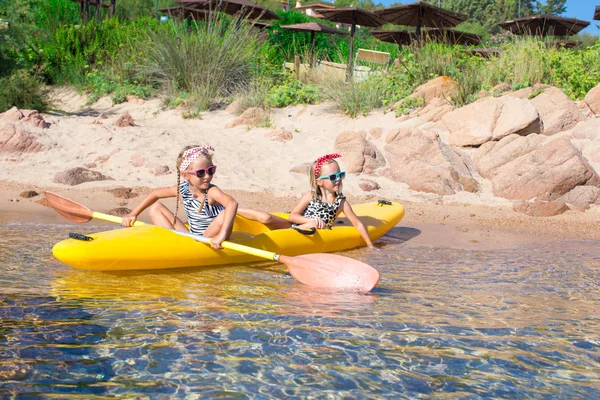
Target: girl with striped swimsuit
[(210, 212)]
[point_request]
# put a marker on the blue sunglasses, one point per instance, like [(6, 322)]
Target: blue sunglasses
[(333, 177)]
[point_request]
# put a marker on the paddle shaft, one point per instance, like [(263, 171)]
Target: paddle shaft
[(269, 255)]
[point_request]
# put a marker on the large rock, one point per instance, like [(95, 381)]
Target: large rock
[(251, 117), (442, 87), (593, 99), (433, 111), (368, 185), (546, 173), (581, 197), (491, 119), (589, 129), (540, 208), (124, 120), (426, 164), (12, 115), (359, 154), (492, 155), (14, 139), (557, 112), (280, 135), (79, 175)]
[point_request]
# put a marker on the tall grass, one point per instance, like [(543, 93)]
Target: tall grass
[(208, 60), (353, 98)]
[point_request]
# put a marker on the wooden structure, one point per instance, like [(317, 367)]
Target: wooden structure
[(84, 7), (353, 16)]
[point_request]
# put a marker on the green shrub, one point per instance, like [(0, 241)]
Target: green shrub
[(575, 71), (255, 95), (212, 60), (100, 84), (23, 91), (408, 105), (292, 92), (354, 98)]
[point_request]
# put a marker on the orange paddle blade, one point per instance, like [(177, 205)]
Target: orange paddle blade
[(332, 271), (68, 208)]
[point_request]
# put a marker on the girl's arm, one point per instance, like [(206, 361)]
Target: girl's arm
[(296, 214), (156, 194), (360, 227), (230, 210)]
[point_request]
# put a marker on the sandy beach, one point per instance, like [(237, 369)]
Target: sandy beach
[(254, 168)]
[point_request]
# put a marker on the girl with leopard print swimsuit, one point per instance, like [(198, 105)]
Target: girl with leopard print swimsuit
[(318, 208)]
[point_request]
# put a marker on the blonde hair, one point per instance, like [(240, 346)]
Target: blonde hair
[(316, 190), (180, 159)]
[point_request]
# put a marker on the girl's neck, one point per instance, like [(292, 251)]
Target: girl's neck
[(196, 190), (328, 196)]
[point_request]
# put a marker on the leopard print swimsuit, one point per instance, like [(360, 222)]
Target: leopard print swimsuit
[(326, 211)]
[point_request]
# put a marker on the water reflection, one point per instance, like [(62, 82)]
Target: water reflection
[(442, 322)]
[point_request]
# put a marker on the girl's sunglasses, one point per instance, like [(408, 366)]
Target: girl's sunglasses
[(333, 177), (203, 171)]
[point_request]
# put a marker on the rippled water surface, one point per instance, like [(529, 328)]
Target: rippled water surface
[(522, 322)]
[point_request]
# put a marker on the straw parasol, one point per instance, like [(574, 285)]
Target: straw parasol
[(238, 8), (544, 25), (313, 28), (399, 37), (597, 13), (449, 36), (183, 12), (352, 16), (421, 14)]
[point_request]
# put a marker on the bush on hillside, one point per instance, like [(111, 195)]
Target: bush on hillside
[(22, 90)]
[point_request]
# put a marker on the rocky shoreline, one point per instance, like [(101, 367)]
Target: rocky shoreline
[(533, 150)]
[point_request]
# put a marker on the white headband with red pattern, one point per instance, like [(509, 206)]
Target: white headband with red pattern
[(191, 154)]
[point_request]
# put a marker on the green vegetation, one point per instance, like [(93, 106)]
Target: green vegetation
[(409, 104), (203, 65)]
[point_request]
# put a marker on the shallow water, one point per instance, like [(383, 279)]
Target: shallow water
[(521, 322)]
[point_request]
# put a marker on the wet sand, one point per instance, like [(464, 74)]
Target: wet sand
[(434, 224)]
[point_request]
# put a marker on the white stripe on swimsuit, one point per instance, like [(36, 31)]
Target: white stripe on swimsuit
[(198, 221)]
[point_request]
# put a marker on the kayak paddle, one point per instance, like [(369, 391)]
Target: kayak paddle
[(317, 269)]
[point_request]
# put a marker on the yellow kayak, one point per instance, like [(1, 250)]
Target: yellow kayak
[(152, 247)]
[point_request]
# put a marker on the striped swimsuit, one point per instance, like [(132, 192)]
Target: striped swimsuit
[(198, 221)]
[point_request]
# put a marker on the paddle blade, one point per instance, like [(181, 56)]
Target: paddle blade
[(332, 271), (68, 208)]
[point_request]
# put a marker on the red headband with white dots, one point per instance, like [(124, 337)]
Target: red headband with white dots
[(322, 160)]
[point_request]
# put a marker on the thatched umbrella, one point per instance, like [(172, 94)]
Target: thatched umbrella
[(399, 37), (544, 25), (449, 36), (313, 28), (597, 13), (352, 16), (238, 8), (421, 14), (182, 12)]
